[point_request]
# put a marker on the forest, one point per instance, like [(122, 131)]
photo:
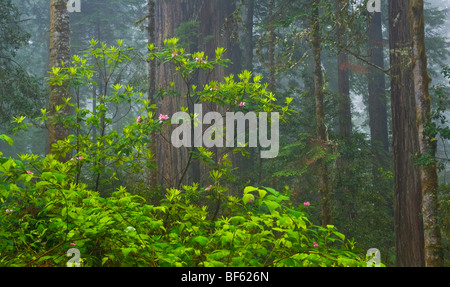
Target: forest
[(224, 133)]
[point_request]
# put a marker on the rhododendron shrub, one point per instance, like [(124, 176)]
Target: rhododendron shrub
[(47, 207), (44, 214)]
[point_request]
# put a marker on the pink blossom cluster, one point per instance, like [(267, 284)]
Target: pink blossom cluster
[(163, 118)]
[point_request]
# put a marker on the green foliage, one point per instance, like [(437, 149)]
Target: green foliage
[(47, 207), (108, 148), (44, 214), (187, 32), (437, 125)]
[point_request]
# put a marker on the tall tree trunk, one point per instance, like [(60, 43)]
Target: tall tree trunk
[(409, 234), (169, 15), (428, 173), (378, 119), (248, 60), (153, 173), (246, 164), (345, 113), (271, 50), (214, 18), (59, 52), (321, 129), (345, 188)]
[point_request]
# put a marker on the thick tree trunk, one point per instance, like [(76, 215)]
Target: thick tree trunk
[(428, 173), (321, 129), (215, 21), (378, 119), (407, 188), (59, 52)]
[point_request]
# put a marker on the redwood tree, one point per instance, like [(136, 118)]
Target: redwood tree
[(59, 53), (321, 129), (407, 186), (345, 113), (378, 118), (151, 29), (215, 21), (428, 173)]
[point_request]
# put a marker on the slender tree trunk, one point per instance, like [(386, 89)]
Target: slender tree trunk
[(428, 173), (153, 173), (345, 112), (59, 52), (248, 60), (378, 119), (409, 234), (271, 51), (345, 188), (321, 129)]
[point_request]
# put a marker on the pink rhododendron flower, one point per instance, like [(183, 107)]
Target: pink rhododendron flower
[(208, 188), (80, 158), (73, 244), (163, 118), (29, 172), (242, 104), (315, 244), (306, 203), (139, 119), (251, 200)]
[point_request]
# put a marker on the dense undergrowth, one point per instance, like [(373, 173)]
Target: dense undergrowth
[(51, 206)]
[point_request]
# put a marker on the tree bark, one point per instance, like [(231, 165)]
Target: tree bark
[(153, 173), (271, 50), (345, 112), (407, 188), (321, 129), (378, 119), (248, 60), (215, 19), (428, 173), (59, 52)]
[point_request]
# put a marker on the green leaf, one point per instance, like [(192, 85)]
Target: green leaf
[(126, 251), (262, 193), (272, 205), (7, 139), (236, 220), (249, 189), (271, 190), (247, 198), (42, 183), (202, 240)]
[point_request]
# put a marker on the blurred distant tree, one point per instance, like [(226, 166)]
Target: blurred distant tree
[(20, 92)]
